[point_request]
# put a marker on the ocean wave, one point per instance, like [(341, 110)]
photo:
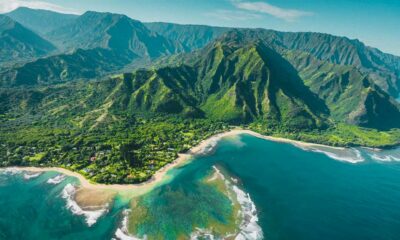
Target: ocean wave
[(384, 157), (57, 179), (122, 232), (201, 234), (350, 155), (249, 228), (91, 217), (11, 171), (28, 176), (209, 148)]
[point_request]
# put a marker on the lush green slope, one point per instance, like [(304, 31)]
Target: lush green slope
[(95, 44), (351, 96), (152, 40), (18, 43), (123, 128), (80, 64), (384, 69), (40, 21), (231, 82)]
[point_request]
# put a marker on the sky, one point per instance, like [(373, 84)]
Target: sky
[(374, 22)]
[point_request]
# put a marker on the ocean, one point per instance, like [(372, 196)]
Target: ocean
[(277, 190)]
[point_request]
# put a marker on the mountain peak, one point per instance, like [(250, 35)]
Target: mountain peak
[(40, 21)]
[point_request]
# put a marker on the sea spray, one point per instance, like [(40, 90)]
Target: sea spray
[(91, 217), (384, 157), (209, 148), (122, 231), (201, 234), (11, 171), (350, 155), (57, 179), (28, 176), (249, 228)]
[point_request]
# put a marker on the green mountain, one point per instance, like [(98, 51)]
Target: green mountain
[(350, 95), (18, 43), (41, 21), (383, 68), (80, 64), (95, 44), (123, 128), (111, 31), (238, 78), (231, 82)]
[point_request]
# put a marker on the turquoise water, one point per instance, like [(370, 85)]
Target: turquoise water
[(298, 194), (34, 209)]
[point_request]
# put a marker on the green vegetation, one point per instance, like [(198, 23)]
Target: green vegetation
[(340, 135), (122, 153), (122, 129)]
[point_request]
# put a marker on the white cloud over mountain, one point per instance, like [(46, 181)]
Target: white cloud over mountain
[(10, 5), (266, 8)]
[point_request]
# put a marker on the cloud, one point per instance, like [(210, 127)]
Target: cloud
[(235, 15), (10, 5), (278, 12)]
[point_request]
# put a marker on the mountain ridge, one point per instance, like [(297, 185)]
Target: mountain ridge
[(40, 21), (18, 43)]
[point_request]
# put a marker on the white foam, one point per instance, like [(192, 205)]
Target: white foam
[(356, 158), (11, 171), (201, 233), (384, 157), (91, 217), (122, 232), (28, 176), (249, 228), (209, 148), (56, 180)]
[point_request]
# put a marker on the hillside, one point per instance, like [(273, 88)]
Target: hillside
[(154, 40), (383, 68), (18, 43), (79, 64), (40, 21), (94, 44), (111, 31), (237, 81), (350, 95), (121, 99)]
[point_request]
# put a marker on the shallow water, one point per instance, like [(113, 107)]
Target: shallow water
[(35, 209), (298, 194)]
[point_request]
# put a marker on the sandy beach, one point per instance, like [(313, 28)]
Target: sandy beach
[(161, 175)]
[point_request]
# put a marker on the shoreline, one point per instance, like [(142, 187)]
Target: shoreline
[(161, 175)]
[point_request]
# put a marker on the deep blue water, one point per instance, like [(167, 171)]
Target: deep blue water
[(306, 195), (298, 195)]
